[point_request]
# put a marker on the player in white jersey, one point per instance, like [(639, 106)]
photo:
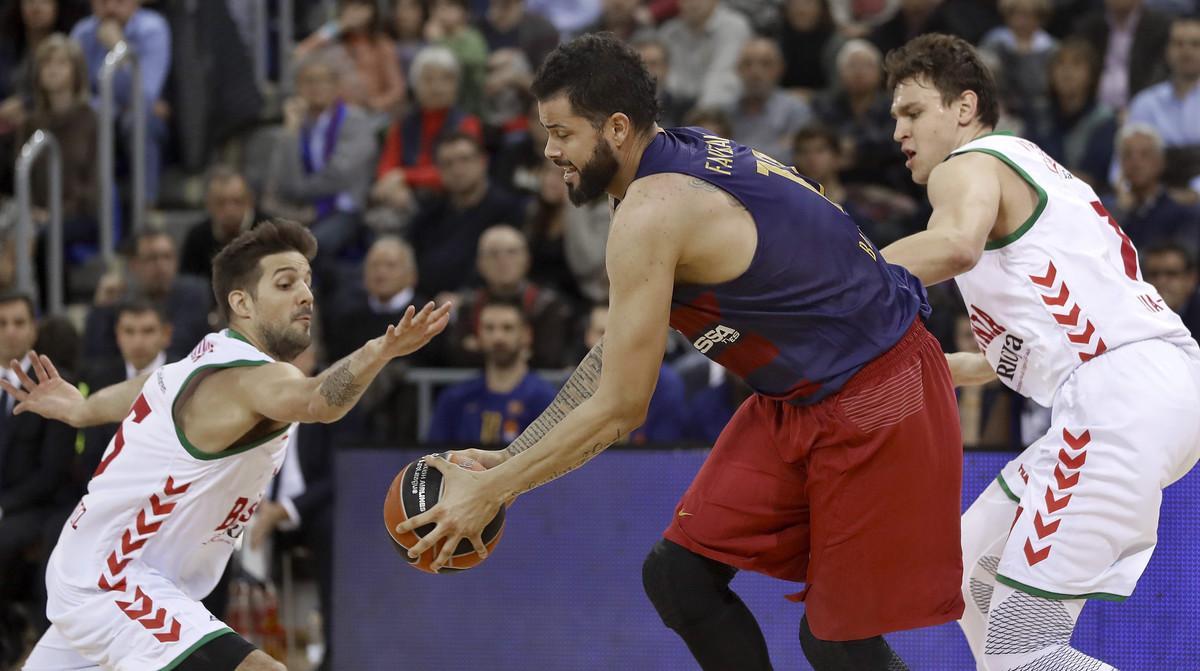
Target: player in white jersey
[(1063, 316), (199, 441)]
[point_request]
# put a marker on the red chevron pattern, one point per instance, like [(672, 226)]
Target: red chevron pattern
[(149, 520), (1066, 475), (141, 615), (1035, 557), (1070, 318), (135, 613), (1046, 280), (170, 636)]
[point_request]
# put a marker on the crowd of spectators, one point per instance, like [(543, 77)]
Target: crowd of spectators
[(403, 133)]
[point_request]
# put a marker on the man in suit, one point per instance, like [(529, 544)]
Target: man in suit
[(142, 334), (229, 203), (35, 460), (1132, 41), (186, 300)]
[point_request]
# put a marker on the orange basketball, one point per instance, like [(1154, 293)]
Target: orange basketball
[(416, 489)]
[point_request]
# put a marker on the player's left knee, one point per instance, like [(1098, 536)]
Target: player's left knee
[(683, 586), (868, 654)]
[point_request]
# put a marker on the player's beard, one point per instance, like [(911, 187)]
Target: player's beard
[(286, 342), (595, 175), (504, 357)]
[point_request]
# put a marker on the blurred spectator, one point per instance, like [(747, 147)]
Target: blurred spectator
[(658, 62), (883, 215), (506, 93), (387, 409), (913, 18), (149, 36), (859, 111), (968, 19), (508, 24), (1147, 213), (389, 277), (518, 161), (61, 107), (300, 501), (703, 44), (495, 408), (446, 230), (1172, 107), (358, 31), (765, 117), (989, 414), (320, 172), (569, 17), (503, 263), (408, 23), (1024, 50), (666, 418), (627, 19), (584, 240), (856, 18), (155, 274), (229, 203), (23, 26), (142, 334), (1130, 40), (449, 25), (35, 461), (711, 119), (1070, 124), (809, 40), (406, 167), (545, 230), (1172, 270)]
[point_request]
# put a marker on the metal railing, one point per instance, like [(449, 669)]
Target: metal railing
[(427, 379), (41, 141), (113, 61), (261, 46)]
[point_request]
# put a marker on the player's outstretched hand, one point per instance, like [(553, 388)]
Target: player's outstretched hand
[(49, 396), (415, 329), (465, 508)]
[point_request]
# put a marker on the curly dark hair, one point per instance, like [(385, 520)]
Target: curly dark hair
[(952, 65), (600, 75), (237, 267)]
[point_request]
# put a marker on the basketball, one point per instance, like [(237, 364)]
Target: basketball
[(416, 489)]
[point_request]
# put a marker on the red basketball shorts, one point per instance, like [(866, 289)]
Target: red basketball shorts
[(857, 496)]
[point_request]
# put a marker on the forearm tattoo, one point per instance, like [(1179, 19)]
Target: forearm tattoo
[(577, 389), (583, 459), (339, 387)]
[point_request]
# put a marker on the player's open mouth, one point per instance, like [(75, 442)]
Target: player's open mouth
[(568, 173), (910, 154)]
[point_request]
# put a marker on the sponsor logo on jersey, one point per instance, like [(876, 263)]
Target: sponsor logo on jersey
[(718, 335), (203, 348)]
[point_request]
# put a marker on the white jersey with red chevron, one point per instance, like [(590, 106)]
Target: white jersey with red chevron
[(1063, 288), (159, 521)]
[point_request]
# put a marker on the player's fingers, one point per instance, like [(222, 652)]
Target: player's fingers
[(438, 462), (38, 369), (447, 552), (12, 391), (427, 542), (405, 321), (25, 381), (49, 366), (437, 326), (428, 517), (480, 548)]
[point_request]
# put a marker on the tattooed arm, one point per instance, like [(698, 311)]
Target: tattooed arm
[(280, 392), (577, 389)]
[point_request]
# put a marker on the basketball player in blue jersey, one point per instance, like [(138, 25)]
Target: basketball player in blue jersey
[(842, 471)]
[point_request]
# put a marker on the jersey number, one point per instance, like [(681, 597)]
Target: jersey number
[(140, 409), (770, 166), (1128, 253)]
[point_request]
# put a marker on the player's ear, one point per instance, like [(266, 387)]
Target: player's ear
[(968, 107), (622, 128), (239, 303)]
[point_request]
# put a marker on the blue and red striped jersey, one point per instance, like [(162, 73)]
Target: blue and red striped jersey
[(818, 301)]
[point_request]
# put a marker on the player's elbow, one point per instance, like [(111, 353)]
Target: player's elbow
[(624, 412), (962, 253)]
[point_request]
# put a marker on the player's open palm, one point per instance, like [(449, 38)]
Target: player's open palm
[(49, 395), (415, 329)]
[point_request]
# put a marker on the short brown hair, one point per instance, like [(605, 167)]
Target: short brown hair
[(236, 266), (952, 65)]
